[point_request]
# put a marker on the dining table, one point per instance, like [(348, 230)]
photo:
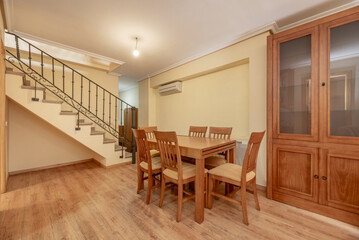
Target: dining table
[(199, 149)]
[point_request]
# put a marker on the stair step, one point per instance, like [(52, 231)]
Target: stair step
[(26, 82), (14, 73), (119, 148), (52, 101), (67, 113), (97, 133), (107, 140), (33, 88), (85, 123)]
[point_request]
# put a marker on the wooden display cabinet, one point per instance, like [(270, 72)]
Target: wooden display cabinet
[(313, 116)]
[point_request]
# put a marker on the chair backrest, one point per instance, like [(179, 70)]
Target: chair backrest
[(197, 131), (169, 152), (250, 158), (149, 131), (143, 150), (220, 132)]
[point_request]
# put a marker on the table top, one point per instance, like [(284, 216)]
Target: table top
[(199, 143)]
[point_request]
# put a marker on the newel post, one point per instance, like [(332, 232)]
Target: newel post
[(133, 110)]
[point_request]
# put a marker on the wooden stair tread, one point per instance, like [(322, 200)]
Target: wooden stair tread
[(67, 113), (107, 140), (85, 124), (52, 101), (15, 73), (97, 133), (32, 88), (119, 148)]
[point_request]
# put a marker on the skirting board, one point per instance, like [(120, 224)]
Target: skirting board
[(115, 165), (51, 166)]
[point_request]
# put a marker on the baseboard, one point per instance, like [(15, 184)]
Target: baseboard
[(114, 165), (262, 188), (48, 167)]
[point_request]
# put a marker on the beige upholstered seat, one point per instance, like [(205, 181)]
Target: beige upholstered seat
[(156, 164), (189, 171), (231, 171)]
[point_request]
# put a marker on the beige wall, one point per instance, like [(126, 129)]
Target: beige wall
[(130, 96), (254, 51), (202, 103), (34, 143), (3, 131), (143, 102)]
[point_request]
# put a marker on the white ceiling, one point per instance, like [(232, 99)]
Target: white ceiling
[(169, 31)]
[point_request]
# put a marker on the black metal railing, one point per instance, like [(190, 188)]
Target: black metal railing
[(71, 87)]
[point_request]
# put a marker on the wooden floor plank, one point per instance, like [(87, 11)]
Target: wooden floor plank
[(85, 201)]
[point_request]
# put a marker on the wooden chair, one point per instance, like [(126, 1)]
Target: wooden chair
[(220, 133), (197, 131), (239, 176), (146, 164), (173, 169), (150, 135)]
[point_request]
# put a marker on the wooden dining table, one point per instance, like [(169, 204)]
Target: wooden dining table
[(200, 149)]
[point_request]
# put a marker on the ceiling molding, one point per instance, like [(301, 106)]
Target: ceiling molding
[(66, 47), (268, 27), (319, 15)]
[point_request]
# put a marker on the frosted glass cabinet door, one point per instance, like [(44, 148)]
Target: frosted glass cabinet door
[(344, 80), (295, 86)]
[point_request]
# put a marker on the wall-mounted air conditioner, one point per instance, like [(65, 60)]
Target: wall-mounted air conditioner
[(170, 88)]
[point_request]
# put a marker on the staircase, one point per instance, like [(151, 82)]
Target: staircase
[(68, 100)]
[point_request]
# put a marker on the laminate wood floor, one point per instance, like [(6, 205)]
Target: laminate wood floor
[(85, 201)]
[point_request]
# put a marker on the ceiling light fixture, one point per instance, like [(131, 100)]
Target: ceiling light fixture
[(136, 52)]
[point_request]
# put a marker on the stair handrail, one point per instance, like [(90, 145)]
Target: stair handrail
[(80, 105), (67, 66)]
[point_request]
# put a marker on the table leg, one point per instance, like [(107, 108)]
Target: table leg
[(199, 190)]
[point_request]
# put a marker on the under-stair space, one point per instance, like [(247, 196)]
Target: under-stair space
[(68, 100), (65, 120)]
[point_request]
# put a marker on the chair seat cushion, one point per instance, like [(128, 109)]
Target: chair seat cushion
[(154, 153), (231, 171), (214, 161), (156, 164), (188, 170)]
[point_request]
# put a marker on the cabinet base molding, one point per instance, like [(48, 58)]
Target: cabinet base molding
[(348, 217)]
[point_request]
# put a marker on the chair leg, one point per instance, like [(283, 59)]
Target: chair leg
[(205, 189), (149, 188), (210, 190), (139, 180), (244, 204), (255, 195), (216, 188), (163, 185), (180, 200)]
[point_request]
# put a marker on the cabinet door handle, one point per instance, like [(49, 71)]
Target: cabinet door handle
[(323, 84), (324, 177), (316, 176)]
